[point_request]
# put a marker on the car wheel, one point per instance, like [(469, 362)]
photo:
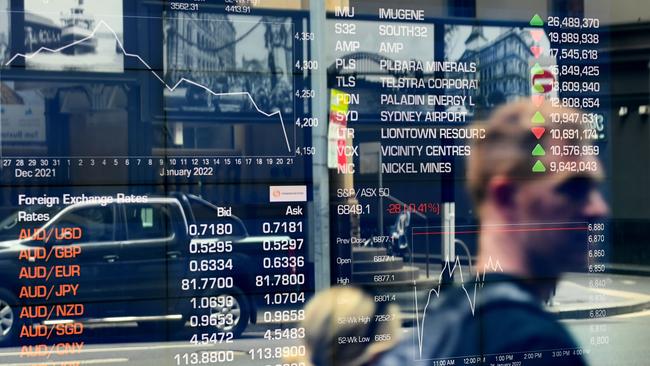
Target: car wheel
[(231, 312), (9, 319)]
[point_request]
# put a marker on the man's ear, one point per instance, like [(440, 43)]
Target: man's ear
[(501, 191)]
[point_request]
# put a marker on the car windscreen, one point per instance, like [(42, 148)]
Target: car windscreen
[(25, 221), (206, 213)]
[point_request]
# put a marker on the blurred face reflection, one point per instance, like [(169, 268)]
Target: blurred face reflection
[(565, 204)]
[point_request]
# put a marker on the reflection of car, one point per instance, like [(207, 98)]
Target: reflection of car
[(137, 260), (192, 99), (198, 97)]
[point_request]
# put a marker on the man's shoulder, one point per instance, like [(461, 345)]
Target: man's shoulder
[(503, 317), (511, 326), (511, 311)]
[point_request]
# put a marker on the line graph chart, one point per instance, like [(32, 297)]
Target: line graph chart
[(450, 268), (148, 95), (171, 87)]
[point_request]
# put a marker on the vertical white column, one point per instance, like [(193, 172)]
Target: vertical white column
[(319, 216)]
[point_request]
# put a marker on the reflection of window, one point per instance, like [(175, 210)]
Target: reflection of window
[(96, 223), (148, 221)]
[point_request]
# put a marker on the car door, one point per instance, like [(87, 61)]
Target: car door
[(87, 264), (151, 254)]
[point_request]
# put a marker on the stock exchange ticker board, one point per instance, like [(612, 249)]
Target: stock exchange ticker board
[(312, 183)]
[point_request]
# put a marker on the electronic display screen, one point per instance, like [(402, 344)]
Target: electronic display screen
[(316, 183)]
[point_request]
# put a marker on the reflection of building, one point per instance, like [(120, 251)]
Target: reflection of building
[(503, 71), (41, 32), (197, 45)]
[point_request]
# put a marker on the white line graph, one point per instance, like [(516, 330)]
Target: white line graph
[(450, 268), (170, 88)]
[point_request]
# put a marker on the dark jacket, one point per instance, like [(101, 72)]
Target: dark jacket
[(504, 323)]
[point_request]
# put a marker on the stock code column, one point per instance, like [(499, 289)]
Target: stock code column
[(391, 125)]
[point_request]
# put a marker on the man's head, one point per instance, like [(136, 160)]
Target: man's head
[(326, 322), (529, 211)]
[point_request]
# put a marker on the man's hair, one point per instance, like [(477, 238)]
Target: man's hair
[(509, 141), (323, 327)]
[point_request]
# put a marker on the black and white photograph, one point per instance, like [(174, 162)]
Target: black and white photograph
[(247, 68), (504, 58), (73, 35), (5, 27)]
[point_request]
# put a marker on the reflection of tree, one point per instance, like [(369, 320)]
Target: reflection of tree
[(276, 34), (269, 85)]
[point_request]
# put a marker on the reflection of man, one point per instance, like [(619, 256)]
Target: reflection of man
[(4, 46), (29, 39), (516, 207)]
